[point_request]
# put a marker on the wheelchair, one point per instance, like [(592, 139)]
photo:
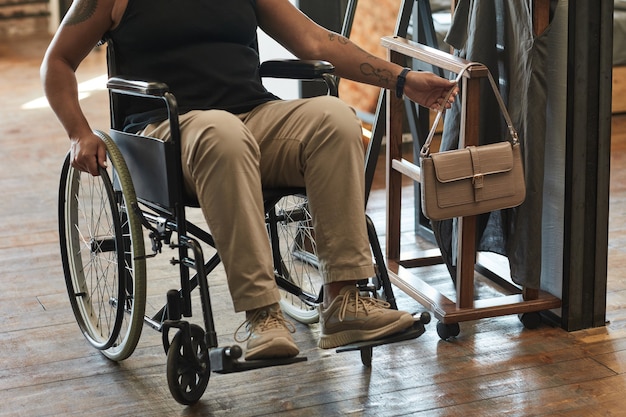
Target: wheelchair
[(105, 221)]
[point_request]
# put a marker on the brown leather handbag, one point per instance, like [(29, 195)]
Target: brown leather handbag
[(474, 180)]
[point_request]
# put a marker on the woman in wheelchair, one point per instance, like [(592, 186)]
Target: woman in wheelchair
[(238, 138)]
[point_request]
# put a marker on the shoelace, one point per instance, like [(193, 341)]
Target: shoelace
[(264, 319), (354, 299)]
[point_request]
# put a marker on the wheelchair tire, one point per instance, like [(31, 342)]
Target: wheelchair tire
[(295, 257), (188, 372), (102, 251)]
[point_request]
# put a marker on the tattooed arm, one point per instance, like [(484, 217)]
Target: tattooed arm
[(81, 29), (307, 40)]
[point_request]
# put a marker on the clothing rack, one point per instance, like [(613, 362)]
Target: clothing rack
[(425, 33), (515, 300)]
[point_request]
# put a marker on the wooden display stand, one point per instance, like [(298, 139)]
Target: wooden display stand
[(465, 307)]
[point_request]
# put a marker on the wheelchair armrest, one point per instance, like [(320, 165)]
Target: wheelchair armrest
[(296, 69), (140, 88), (147, 89)]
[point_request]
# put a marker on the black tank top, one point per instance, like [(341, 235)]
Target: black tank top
[(204, 50)]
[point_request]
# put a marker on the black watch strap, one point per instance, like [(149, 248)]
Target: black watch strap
[(400, 82)]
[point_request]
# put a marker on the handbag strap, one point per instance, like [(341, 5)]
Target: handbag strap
[(425, 151)]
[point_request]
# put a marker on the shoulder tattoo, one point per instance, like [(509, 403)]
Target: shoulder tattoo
[(80, 12)]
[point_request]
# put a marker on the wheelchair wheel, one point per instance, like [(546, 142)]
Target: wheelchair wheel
[(102, 254), (295, 258), (188, 366)]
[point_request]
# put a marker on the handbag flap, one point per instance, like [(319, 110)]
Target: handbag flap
[(480, 160)]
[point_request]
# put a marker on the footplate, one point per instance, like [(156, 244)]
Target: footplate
[(225, 360), (413, 332)]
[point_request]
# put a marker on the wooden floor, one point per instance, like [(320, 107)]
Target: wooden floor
[(494, 367)]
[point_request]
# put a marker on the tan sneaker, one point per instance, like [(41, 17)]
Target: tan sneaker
[(353, 318), (269, 334)]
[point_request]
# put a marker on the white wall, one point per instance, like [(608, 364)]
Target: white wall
[(270, 49)]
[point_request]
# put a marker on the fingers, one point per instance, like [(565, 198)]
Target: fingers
[(88, 154), (430, 90), (445, 100), (102, 157), (437, 105), (89, 165), (452, 97)]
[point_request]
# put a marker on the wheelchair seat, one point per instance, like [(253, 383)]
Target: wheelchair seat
[(151, 161)]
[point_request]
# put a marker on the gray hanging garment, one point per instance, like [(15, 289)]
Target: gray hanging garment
[(499, 34)]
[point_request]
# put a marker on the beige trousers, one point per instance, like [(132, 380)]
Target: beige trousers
[(227, 159)]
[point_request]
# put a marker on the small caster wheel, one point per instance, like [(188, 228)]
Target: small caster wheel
[(188, 366), (366, 356), (446, 331), (425, 317), (530, 320)]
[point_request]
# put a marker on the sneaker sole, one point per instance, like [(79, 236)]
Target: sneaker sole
[(279, 347), (351, 336)]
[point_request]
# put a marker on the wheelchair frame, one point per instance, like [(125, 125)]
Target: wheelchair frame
[(119, 250)]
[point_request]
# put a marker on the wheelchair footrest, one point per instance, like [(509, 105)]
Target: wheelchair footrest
[(226, 360), (413, 332)]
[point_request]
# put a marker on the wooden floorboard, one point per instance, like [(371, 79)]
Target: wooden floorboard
[(494, 367)]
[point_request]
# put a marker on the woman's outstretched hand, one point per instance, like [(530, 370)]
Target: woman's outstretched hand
[(430, 90)]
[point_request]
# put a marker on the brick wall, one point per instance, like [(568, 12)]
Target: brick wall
[(23, 17)]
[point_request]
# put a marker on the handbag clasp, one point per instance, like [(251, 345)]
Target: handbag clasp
[(477, 180)]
